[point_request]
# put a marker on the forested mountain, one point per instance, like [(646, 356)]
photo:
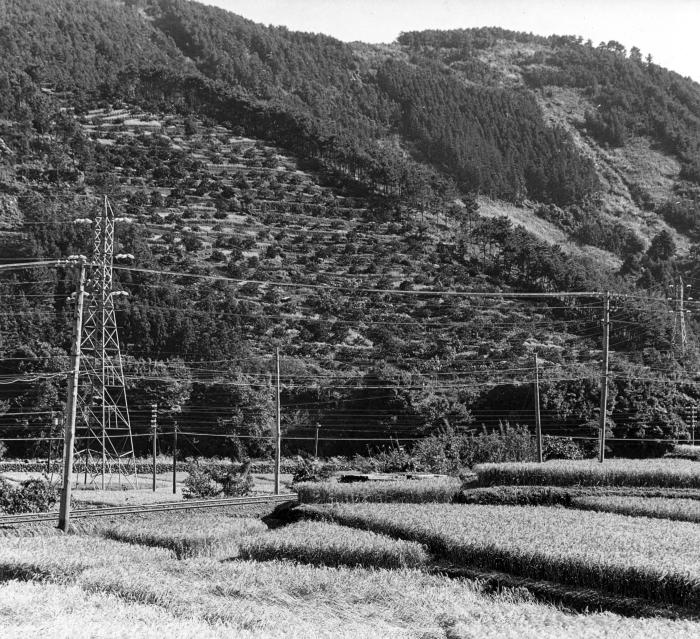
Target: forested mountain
[(355, 177)]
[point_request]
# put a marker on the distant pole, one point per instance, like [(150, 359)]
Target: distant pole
[(692, 424), (538, 422), (604, 378), (154, 427), (316, 441), (278, 430), (71, 404), (175, 457), (54, 429)]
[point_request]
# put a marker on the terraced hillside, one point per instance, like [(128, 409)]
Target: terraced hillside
[(371, 218)]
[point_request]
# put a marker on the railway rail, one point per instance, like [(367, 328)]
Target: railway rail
[(83, 513)]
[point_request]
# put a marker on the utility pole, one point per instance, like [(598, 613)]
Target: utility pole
[(538, 421), (278, 430), (54, 429), (316, 441), (71, 405), (692, 424), (174, 456), (154, 429), (604, 378)]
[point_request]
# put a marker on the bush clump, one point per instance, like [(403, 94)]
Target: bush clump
[(31, 496), (214, 481), (451, 452)]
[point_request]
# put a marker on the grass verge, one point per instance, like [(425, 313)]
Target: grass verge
[(636, 557), (671, 473), (325, 544), (402, 491)]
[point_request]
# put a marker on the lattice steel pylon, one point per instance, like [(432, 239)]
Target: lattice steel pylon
[(679, 336), (107, 447)]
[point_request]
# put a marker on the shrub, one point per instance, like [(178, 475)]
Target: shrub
[(561, 448), (212, 481), (311, 471), (450, 452), (31, 496), (396, 460), (3, 449)]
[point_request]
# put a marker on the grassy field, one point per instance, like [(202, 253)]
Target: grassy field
[(636, 557), (671, 473), (325, 544), (155, 595), (402, 491)]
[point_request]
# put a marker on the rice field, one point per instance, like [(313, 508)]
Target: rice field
[(657, 507), (77, 586), (326, 544), (671, 473), (685, 451), (655, 559), (206, 534), (402, 491)]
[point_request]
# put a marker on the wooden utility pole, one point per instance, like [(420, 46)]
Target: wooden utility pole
[(316, 441), (174, 456), (604, 378), (278, 429), (54, 429), (538, 421), (692, 424), (154, 427), (71, 405)]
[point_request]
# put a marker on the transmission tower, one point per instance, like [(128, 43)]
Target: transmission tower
[(679, 337), (107, 445)]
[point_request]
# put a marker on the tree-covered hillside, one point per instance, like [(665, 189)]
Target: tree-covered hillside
[(327, 188)]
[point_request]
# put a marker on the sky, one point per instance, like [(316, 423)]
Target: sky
[(666, 29)]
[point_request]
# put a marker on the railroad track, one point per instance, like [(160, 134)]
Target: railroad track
[(190, 504)]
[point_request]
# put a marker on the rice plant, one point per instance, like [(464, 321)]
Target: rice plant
[(320, 543), (657, 559), (275, 600), (190, 536), (672, 473), (657, 507), (403, 491)]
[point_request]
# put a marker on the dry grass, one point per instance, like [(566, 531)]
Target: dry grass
[(325, 544), (403, 491), (636, 557), (671, 473), (29, 609), (246, 599), (202, 534)]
